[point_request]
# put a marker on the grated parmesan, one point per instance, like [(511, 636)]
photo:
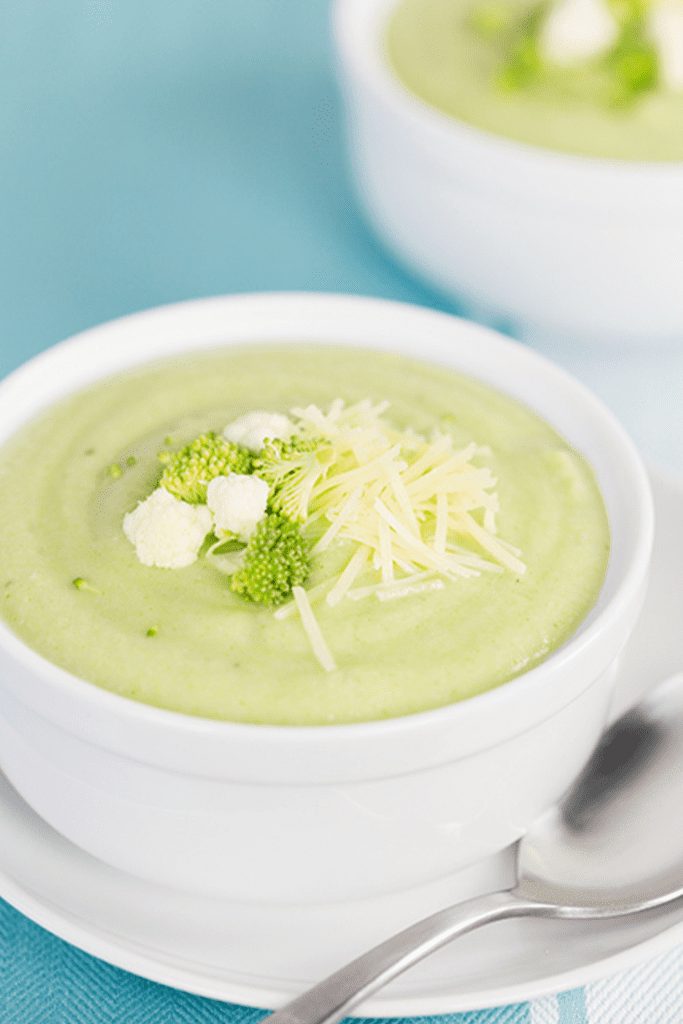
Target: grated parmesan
[(353, 568), (406, 503), (310, 624)]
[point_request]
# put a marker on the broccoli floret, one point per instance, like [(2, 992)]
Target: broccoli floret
[(275, 560), (81, 584), (292, 468), (611, 62), (188, 472)]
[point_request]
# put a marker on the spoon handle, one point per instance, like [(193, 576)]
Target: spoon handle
[(332, 998)]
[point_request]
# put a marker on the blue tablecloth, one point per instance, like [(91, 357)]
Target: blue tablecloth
[(157, 151), (44, 980)]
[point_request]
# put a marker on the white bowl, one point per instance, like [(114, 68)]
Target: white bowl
[(561, 246), (326, 812)]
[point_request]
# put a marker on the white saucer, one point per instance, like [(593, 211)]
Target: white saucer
[(263, 956)]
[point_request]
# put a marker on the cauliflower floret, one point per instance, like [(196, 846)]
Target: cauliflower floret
[(166, 531), (665, 22), (238, 503), (251, 431), (576, 30)]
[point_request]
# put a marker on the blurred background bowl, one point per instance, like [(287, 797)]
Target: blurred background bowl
[(558, 246)]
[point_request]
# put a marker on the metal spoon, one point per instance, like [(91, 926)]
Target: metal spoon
[(612, 846)]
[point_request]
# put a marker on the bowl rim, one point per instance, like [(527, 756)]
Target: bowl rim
[(177, 319), (356, 27)]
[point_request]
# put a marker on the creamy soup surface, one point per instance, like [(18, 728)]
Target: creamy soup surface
[(182, 640), (435, 53)]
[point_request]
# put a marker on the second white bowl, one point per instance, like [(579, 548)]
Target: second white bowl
[(562, 247)]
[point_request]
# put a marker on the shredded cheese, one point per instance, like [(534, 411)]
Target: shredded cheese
[(386, 594), (386, 559), (402, 498), (441, 531), (410, 507), (415, 584), (313, 593), (354, 566), (310, 624), (338, 521)]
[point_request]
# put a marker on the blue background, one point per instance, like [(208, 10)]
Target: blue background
[(153, 152), (157, 151)]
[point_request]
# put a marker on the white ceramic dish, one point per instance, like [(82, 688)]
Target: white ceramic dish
[(263, 955), (562, 246), (163, 795)]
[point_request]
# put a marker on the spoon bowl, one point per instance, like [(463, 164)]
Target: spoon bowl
[(607, 849), (610, 842)]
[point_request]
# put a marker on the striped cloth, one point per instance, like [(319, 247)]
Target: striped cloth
[(44, 980)]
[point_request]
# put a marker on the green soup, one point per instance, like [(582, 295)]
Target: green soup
[(444, 62), (180, 639)]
